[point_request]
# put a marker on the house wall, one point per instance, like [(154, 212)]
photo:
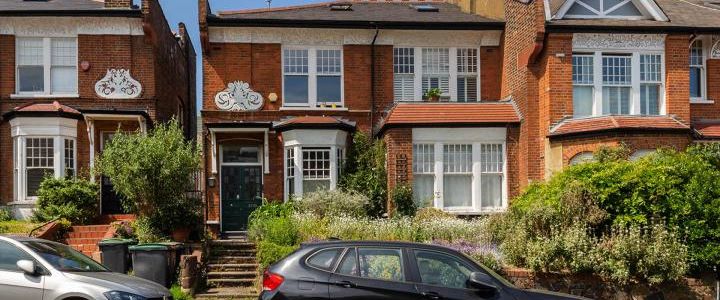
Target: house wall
[(710, 110), (153, 56)]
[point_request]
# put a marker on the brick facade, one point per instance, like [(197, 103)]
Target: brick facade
[(162, 62)]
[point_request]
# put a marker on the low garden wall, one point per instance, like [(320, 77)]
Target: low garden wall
[(594, 287)]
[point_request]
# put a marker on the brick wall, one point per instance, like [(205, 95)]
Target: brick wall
[(677, 75), (709, 111), (634, 142), (399, 158), (490, 73)]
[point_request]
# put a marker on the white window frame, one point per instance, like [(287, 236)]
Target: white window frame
[(297, 139), (477, 137), (453, 61), (706, 48), (47, 65), (635, 81), (20, 158), (313, 75)]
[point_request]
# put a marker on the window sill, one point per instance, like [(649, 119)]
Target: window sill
[(23, 202), (43, 96), (302, 108), (701, 101), (471, 212)]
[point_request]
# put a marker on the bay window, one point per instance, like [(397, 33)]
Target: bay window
[(42, 147), (456, 175), (313, 160), (312, 77), (46, 66), (453, 71), (608, 83)]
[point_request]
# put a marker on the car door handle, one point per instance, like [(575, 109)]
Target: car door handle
[(431, 295), (345, 284)]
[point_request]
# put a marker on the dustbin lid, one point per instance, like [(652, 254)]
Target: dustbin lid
[(117, 241), (148, 247), (172, 245)]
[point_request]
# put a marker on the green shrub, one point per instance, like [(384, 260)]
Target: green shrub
[(153, 172), (402, 197), (17, 227), (178, 294), (272, 223), (268, 253), (333, 203), (431, 213), (147, 232), (70, 198), (364, 172), (5, 215)]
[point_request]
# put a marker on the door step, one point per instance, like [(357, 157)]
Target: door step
[(228, 293)]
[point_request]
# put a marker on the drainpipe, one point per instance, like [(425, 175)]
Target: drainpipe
[(372, 80)]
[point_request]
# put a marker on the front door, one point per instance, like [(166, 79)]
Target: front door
[(241, 195), (111, 201), (240, 184)]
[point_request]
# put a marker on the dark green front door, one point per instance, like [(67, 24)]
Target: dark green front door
[(241, 195)]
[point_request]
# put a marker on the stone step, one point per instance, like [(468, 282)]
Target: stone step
[(226, 282), (232, 267), (232, 252), (233, 275), (228, 293), (216, 243), (233, 260)]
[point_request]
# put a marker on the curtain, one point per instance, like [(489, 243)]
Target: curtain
[(582, 101), (491, 190), (457, 190), (423, 190)]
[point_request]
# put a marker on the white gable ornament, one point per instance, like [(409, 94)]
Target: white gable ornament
[(239, 97), (118, 84), (715, 50)]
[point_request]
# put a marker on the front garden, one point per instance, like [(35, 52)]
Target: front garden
[(652, 222)]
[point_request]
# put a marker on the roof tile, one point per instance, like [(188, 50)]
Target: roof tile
[(419, 114), (606, 123)]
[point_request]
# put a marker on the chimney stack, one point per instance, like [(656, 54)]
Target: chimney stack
[(118, 3)]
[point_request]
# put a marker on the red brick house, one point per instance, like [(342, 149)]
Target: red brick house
[(587, 73), (285, 88), (73, 72)]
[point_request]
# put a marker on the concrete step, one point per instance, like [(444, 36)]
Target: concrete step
[(216, 243), (232, 275), (226, 282), (228, 293), (232, 267), (91, 228)]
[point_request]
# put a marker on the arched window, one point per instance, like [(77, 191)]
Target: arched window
[(582, 157)]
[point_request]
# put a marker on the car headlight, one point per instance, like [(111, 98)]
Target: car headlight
[(118, 295)]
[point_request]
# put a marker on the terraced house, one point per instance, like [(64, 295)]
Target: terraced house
[(72, 73), (285, 88), (587, 73)]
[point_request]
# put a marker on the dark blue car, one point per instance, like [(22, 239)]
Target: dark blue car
[(387, 270)]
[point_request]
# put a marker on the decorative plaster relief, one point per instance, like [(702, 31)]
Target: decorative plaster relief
[(118, 84), (69, 26), (239, 97), (337, 37), (619, 41)]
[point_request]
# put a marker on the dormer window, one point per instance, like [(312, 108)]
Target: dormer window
[(610, 9)]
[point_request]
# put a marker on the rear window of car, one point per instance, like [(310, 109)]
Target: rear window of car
[(324, 259)]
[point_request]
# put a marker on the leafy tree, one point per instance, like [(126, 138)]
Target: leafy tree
[(153, 173), (365, 172)]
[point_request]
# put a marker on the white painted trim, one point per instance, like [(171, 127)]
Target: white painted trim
[(707, 48), (298, 108), (214, 147), (438, 137), (298, 139), (47, 67), (339, 37), (648, 8), (57, 129), (70, 26), (312, 74), (220, 185)]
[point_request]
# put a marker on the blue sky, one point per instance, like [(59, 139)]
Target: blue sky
[(185, 11)]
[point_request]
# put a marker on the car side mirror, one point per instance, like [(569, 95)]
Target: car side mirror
[(28, 267), (482, 282)]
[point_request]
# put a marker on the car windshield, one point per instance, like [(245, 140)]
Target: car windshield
[(64, 258)]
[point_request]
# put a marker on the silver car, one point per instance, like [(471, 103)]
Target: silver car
[(36, 269)]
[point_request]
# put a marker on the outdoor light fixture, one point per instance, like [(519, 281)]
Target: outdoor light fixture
[(211, 181)]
